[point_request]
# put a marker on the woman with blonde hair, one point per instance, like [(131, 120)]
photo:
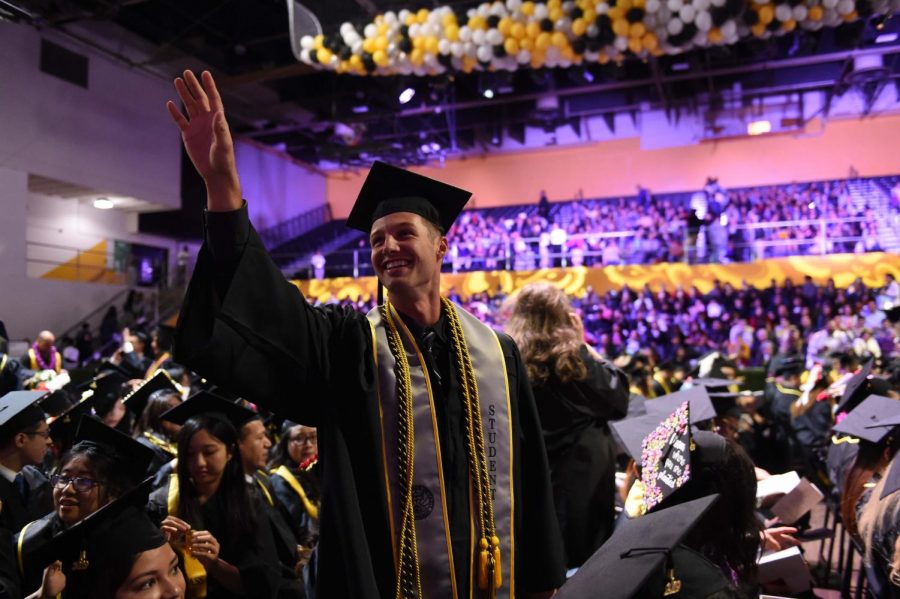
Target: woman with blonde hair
[(577, 393)]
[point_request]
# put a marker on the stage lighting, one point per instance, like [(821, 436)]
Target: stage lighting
[(759, 127), (104, 204), (488, 93), (407, 95)]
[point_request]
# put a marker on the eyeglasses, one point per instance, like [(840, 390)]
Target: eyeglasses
[(44, 434), (301, 439), (80, 484)]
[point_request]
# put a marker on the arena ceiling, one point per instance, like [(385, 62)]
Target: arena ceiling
[(325, 119)]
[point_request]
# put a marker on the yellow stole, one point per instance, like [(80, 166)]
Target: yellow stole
[(194, 571), (308, 506)]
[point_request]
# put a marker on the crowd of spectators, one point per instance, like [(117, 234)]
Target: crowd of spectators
[(747, 324)]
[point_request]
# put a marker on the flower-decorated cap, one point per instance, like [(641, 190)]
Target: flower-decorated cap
[(642, 555), (389, 189)]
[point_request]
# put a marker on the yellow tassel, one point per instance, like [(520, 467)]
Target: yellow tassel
[(483, 564), (498, 572)]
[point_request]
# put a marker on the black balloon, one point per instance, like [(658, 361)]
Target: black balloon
[(751, 17), (499, 51), (345, 53), (579, 45), (634, 15), (774, 25), (719, 15), (493, 21), (405, 45), (546, 25), (577, 13)]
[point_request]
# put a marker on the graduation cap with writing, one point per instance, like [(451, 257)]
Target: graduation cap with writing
[(637, 560), (702, 408), (209, 403), (119, 528), (118, 445), (666, 457), (19, 410), (389, 189), (137, 400)]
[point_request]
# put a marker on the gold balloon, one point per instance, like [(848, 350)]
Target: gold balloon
[(380, 58), (590, 15), (518, 31), (634, 44), (637, 30), (318, 41), (558, 39), (431, 44), (639, 3), (526, 43), (852, 16), (355, 61), (766, 14), (615, 13), (448, 19), (555, 14), (468, 64), (758, 30), (543, 41), (511, 45), (625, 5), (477, 22), (422, 15), (382, 28), (324, 55), (621, 27), (579, 26), (369, 45), (451, 32), (410, 20), (504, 26), (551, 4), (789, 25), (649, 41), (381, 42), (417, 56), (815, 13), (715, 36), (527, 8), (533, 30)]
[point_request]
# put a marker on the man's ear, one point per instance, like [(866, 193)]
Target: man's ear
[(443, 246), (19, 440)]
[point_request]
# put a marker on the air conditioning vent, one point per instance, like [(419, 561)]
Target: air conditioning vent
[(63, 63)]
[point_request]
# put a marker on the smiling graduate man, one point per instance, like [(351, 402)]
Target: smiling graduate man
[(435, 478)]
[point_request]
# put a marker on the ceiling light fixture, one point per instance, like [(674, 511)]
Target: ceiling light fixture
[(104, 204)]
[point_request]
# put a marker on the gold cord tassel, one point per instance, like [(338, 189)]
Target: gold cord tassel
[(498, 571), (483, 559)]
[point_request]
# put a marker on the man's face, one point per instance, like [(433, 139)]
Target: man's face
[(254, 446), (406, 251), (34, 444)]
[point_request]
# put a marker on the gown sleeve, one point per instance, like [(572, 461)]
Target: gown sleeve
[(540, 563), (606, 386), (249, 330)]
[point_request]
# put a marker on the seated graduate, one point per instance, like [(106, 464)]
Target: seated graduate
[(148, 403), (295, 480), (649, 558), (24, 440), (11, 370), (869, 504), (729, 533), (206, 511), (115, 553), (102, 466)]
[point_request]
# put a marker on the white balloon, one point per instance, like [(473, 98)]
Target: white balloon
[(523, 57), (434, 17), (568, 6), (663, 14), (513, 5), (800, 13), (484, 10), (593, 30), (431, 60), (307, 42), (478, 36), (434, 29), (357, 48), (674, 26), (456, 49), (650, 21), (703, 21), (390, 17), (370, 30), (563, 24), (728, 29), (403, 15), (499, 9), (687, 13), (552, 52), (540, 11), (444, 46), (719, 3), (304, 55), (346, 28), (415, 30), (783, 12), (674, 5), (465, 34), (826, 4), (845, 7), (352, 38), (831, 17), (602, 9), (700, 39), (652, 6), (565, 63), (470, 49), (471, 13), (621, 44), (484, 53), (494, 37)]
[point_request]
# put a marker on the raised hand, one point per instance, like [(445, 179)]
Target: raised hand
[(207, 139)]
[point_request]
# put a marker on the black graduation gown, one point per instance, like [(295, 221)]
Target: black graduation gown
[(582, 453), (245, 327), (10, 374), (305, 528), (161, 456), (15, 512), (255, 558), (25, 542), (10, 577)]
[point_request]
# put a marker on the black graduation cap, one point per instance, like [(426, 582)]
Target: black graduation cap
[(861, 385), (790, 365), (19, 411), (637, 554), (118, 528), (56, 402), (205, 403), (872, 420), (62, 427), (702, 408), (4, 336), (666, 457), (389, 189), (137, 400), (135, 455), (631, 432)]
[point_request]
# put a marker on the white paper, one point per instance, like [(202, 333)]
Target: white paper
[(787, 567), (795, 504), (777, 484)]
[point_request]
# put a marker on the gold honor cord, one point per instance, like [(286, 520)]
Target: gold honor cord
[(409, 579), (490, 574)]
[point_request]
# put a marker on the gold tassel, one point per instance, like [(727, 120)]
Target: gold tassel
[(498, 572), (483, 564)]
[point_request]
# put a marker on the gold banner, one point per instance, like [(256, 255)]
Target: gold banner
[(843, 268)]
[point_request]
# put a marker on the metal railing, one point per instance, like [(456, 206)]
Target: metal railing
[(625, 247), (292, 228)]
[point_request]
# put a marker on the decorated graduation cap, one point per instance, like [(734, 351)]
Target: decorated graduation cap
[(389, 189), (137, 400), (872, 420), (209, 403), (640, 558), (19, 411), (135, 456), (87, 548), (702, 408)]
